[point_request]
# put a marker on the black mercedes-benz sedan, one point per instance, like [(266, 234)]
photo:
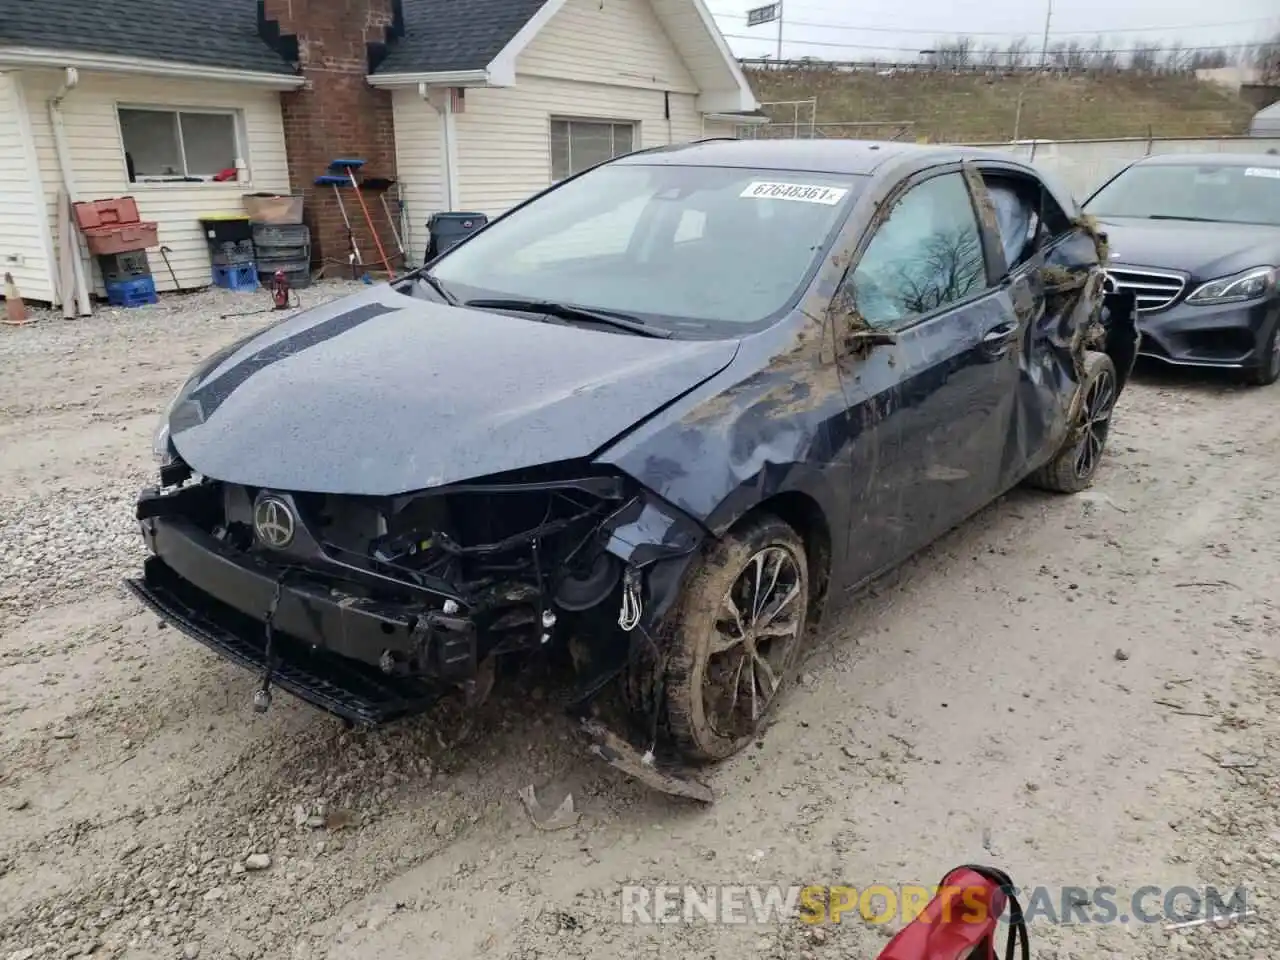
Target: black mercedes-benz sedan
[(658, 417), (1197, 238)]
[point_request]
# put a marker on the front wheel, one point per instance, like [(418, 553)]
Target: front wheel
[(1267, 371), (1072, 469), (739, 625)]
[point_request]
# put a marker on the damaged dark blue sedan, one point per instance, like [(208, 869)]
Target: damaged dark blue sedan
[(659, 417)]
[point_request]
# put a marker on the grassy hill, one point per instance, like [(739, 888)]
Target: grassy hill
[(975, 107)]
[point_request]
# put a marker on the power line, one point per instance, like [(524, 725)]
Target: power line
[(1014, 33), (917, 49)]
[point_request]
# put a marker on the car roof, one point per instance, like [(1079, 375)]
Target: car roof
[(1217, 159), (858, 157)]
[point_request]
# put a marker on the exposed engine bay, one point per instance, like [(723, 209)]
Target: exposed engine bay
[(428, 588)]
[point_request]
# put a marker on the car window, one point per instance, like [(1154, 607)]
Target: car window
[(607, 233), (1017, 206), (716, 249), (1226, 192), (928, 253)]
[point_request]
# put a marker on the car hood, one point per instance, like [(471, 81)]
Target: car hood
[(1204, 250), (382, 393)]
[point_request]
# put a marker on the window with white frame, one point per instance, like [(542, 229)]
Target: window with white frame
[(166, 144), (578, 144)]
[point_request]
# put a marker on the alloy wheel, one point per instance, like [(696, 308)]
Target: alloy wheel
[(757, 627), (1096, 422)]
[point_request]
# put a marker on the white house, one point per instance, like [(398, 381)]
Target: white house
[(471, 104), (493, 115)]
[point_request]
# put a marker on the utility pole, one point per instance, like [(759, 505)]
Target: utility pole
[(779, 34), (1044, 47)]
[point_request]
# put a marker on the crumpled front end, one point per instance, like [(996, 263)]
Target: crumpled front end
[(372, 608)]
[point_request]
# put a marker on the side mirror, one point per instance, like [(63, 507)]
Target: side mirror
[(870, 337), (853, 330)]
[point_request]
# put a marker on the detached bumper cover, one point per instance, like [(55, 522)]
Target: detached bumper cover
[(1230, 335)]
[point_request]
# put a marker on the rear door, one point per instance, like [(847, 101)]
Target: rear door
[(927, 347), (1049, 261)]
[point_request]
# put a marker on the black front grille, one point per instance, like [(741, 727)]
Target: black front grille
[(1154, 289)]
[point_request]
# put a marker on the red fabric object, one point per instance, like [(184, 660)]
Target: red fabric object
[(222, 176), (959, 923)]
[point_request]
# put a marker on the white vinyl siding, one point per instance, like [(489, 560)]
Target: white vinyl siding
[(715, 128), (419, 165), (98, 162), (610, 62), (23, 250), (504, 137), (619, 42)]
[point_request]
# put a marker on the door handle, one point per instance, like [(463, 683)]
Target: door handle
[(1000, 334)]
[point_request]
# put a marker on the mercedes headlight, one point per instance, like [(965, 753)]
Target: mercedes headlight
[(1250, 284)]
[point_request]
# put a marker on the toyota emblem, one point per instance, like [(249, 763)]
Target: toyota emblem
[(274, 522)]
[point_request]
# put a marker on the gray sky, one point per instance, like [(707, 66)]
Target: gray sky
[(847, 31)]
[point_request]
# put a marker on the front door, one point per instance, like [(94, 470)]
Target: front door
[(927, 349)]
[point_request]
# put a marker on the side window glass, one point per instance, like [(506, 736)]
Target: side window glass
[(1017, 205), (1056, 221), (928, 253)]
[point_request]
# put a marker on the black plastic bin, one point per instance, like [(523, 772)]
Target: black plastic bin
[(121, 267), (448, 229)]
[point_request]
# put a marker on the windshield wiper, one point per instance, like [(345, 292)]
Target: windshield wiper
[(565, 311), (1170, 216), (438, 287)]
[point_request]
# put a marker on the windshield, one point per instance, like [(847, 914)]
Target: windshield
[(685, 248), (1229, 193)]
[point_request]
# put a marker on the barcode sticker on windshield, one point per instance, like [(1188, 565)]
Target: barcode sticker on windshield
[(1272, 172), (805, 193)]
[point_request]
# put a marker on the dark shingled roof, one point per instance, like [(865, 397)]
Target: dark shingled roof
[(212, 33), (455, 34)]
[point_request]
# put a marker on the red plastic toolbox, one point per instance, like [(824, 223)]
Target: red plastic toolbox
[(92, 214), (121, 238)]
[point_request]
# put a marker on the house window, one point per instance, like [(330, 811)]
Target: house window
[(182, 145), (578, 144)]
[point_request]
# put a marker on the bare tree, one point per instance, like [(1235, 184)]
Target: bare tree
[(1099, 54), (1106, 56), (1207, 60), (1144, 56), (1176, 59), (1015, 53), (956, 52), (1265, 57)]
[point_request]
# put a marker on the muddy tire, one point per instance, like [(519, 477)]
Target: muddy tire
[(1267, 371), (734, 645), (1072, 469)]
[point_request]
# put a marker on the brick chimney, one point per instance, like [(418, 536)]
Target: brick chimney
[(337, 114)]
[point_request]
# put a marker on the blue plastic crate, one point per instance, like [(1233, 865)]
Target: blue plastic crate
[(236, 276), (132, 293)]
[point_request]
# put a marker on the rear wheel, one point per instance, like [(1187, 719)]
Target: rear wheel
[(739, 627), (1073, 468), (1267, 371)]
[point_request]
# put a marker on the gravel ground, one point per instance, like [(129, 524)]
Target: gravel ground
[(1082, 690)]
